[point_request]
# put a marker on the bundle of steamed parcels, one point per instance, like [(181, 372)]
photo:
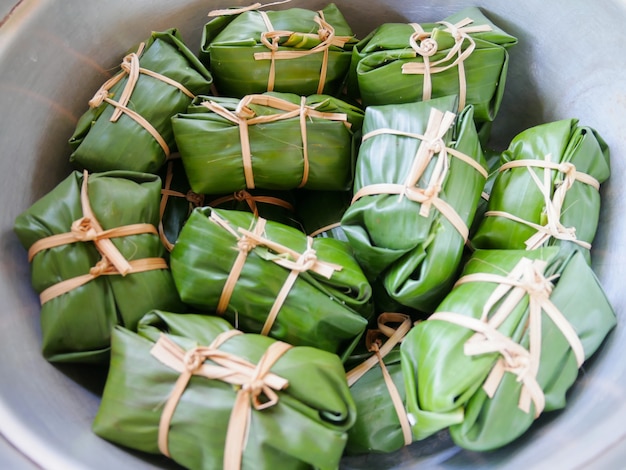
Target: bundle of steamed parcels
[(284, 250)]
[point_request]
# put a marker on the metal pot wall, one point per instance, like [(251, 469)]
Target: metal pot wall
[(569, 62)]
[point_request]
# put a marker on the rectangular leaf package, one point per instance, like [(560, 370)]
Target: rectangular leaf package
[(128, 124), (211, 397), (547, 189), (269, 278), (294, 50), (96, 260), (274, 141), (465, 55), (504, 346), (419, 175)]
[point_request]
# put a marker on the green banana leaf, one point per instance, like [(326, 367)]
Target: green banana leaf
[(305, 428), (445, 387), (76, 326), (321, 212), (517, 193), (177, 202), (415, 256), (492, 157), (210, 144), (328, 313), (278, 206), (230, 42), (98, 144), (376, 73), (377, 427)]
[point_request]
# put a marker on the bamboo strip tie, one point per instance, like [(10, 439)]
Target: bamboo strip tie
[(525, 280), (257, 386), (426, 46), (252, 200)]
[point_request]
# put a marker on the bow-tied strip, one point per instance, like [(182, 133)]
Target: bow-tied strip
[(256, 386), (431, 144), (273, 39), (426, 46), (244, 117), (131, 70), (525, 280), (194, 199), (553, 201), (252, 200), (380, 350)]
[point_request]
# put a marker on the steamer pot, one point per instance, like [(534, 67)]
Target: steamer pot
[(569, 63)]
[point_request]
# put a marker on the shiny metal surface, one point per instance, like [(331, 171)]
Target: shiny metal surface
[(53, 55)]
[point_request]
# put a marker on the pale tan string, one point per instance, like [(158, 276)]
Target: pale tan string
[(252, 200), (194, 199), (271, 40), (238, 11), (525, 280), (324, 229), (395, 336), (286, 257), (431, 143), (553, 202), (130, 68), (426, 46), (257, 386), (244, 117), (102, 268)]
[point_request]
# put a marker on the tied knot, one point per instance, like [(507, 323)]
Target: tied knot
[(194, 198), (129, 62), (245, 244), (306, 261), (193, 360), (436, 146), (261, 395), (99, 97), (423, 44), (83, 229), (569, 170), (100, 268), (241, 196), (536, 284)]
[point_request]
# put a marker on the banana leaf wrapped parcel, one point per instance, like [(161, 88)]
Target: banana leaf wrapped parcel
[(96, 260), (504, 346), (293, 50), (271, 278), (128, 126), (276, 141), (419, 175), (211, 397), (547, 189), (464, 55), (377, 387)]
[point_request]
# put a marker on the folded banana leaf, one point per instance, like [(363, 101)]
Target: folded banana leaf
[(547, 189), (377, 387), (177, 202), (321, 212), (419, 174), (270, 141), (270, 278), (294, 50), (127, 126), (278, 206), (505, 345), (96, 260), (466, 54), (216, 410)]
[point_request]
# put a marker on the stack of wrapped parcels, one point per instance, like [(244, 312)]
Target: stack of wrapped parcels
[(296, 245)]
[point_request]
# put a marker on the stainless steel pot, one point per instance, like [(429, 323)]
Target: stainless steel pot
[(569, 62)]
